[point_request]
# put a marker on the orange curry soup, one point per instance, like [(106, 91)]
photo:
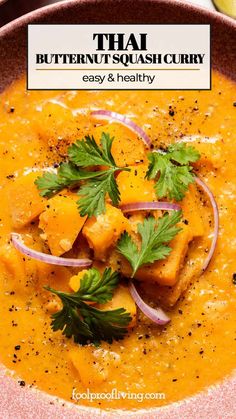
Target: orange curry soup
[(197, 348)]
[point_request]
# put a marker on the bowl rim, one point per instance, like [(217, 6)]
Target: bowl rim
[(31, 401), (26, 18)]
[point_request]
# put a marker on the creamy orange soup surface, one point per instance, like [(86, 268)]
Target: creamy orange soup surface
[(198, 347)]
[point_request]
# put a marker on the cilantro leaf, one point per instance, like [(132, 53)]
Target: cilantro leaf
[(97, 288), (94, 186), (72, 174), (154, 236), (173, 170), (50, 184), (106, 325), (86, 152), (69, 321), (84, 322), (128, 248), (173, 180), (93, 193), (183, 154), (67, 176)]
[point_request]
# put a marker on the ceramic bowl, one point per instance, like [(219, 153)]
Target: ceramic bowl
[(22, 402)]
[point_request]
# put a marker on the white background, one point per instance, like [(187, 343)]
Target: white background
[(204, 3)]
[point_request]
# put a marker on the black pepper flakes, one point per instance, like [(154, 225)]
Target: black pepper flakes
[(234, 278)]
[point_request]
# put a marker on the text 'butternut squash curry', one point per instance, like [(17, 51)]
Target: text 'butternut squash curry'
[(117, 241)]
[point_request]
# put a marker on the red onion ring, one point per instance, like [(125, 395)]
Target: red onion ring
[(216, 221), (103, 114), (156, 315), (142, 206), (43, 257)]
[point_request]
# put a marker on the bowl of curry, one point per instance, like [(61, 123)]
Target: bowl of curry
[(117, 258)]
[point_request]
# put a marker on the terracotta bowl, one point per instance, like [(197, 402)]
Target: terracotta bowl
[(21, 402)]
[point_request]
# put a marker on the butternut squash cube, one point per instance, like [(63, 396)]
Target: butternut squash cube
[(55, 120), (211, 152), (61, 223), (18, 270), (165, 272), (103, 232), (192, 212), (74, 282), (122, 299), (94, 365), (134, 187), (127, 148), (168, 296), (11, 262), (25, 202)]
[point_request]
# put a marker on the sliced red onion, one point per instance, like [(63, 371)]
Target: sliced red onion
[(103, 114), (216, 221), (43, 257), (156, 315), (142, 206)]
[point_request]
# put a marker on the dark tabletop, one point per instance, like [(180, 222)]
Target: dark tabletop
[(11, 9)]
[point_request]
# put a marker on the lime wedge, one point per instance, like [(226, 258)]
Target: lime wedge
[(226, 6)]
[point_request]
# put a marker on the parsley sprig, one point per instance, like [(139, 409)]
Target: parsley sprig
[(172, 170), (67, 176), (84, 322), (93, 193), (154, 236), (86, 152), (94, 185)]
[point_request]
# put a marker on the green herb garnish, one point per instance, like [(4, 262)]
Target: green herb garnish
[(173, 170), (154, 236), (93, 193), (93, 185), (67, 176), (87, 153), (84, 322)]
